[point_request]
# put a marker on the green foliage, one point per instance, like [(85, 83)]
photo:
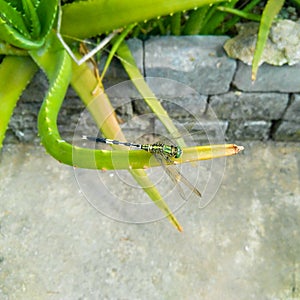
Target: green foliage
[(96, 17), (24, 71), (25, 24), (270, 12), (218, 18), (27, 31), (296, 2)]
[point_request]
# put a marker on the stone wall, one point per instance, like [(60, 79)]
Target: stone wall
[(267, 109)]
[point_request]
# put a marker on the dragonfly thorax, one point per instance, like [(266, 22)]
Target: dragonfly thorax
[(167, 151)]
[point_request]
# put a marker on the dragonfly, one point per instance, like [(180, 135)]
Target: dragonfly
[(164, 153)]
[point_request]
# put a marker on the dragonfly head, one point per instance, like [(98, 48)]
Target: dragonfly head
[(178, 152)]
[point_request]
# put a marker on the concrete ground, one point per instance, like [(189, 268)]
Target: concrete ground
[(244, 245)]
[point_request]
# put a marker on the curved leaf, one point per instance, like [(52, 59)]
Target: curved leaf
[(270, 12), (31, 18), (46, 12), (100, 16), (12, 85)]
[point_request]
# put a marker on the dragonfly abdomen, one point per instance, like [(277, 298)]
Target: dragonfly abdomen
[(110, 142)]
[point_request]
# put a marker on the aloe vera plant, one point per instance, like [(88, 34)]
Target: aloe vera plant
[(29, 40)]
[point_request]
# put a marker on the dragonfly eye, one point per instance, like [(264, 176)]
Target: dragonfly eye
[(179, 152)]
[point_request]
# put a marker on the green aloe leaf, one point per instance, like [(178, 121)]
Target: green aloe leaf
[(10, 17), (100, 16), (270, 12), (26, 26), (104, 116), (12, 85)]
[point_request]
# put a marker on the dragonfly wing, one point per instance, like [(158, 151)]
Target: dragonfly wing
[(170, 173), (176, 176), (187, 183)]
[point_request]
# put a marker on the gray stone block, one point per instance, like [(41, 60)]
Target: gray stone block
[(179, 100), (36, 90), (119, 88), (248, 130), (293, 111), (284, 79), (69, 116), (116, 73), (180, 108), (177, 108), (198, 61), (201, 132), (137, 49), (287, 131), (210, 132), (249, 106)]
